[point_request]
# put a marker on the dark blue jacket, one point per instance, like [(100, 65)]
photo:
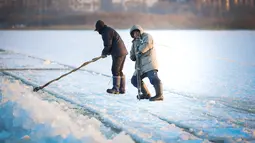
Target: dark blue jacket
[(113, 44)]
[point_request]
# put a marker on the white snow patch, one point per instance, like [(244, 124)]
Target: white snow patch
[(26, 137), (200, 133), (28, 117), (47, 62)]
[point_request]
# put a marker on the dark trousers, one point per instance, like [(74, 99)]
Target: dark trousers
[(152, 75), (117, 65)]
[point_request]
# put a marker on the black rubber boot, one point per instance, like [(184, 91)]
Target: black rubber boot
[(122, 84), (145, 92), (116, 85), (159, 93)]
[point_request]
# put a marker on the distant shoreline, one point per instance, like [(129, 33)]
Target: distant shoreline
[(126, 20), (78, 27)]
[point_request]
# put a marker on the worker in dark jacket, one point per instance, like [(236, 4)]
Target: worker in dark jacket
[(114, 46)]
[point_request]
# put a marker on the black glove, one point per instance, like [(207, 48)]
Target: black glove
[(133, 58)]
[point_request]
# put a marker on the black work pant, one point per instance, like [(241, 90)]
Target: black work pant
[(117, 65)]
